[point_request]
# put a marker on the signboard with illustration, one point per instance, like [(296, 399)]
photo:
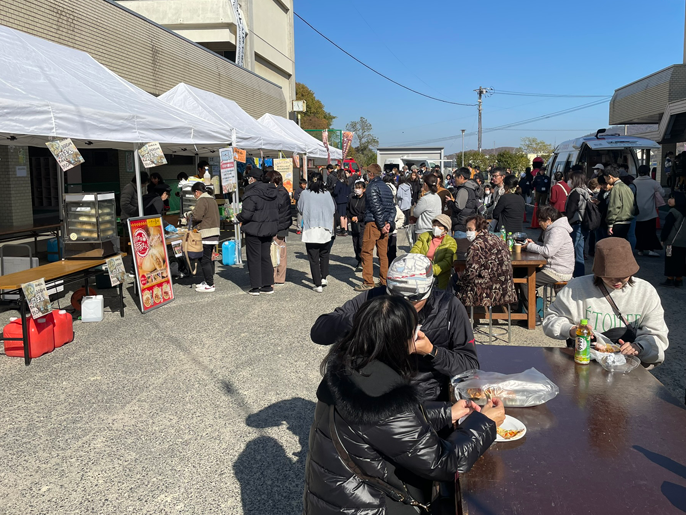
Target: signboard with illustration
[(285, 168), (152, 155), (116, 270), (65, 153), (37, 298), (150, 261), (228, 170)]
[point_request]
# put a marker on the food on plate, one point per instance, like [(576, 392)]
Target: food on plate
[(166, 291), (147, 299), (508, 434), (157, 295), (607, 347)]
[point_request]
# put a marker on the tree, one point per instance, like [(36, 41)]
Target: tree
[(365, 151), (515, 161), (316, 117), (537, 146), (483, 161)]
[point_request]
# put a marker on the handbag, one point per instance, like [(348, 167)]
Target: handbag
[(626, 334), (668, 248), (275, 254), (390, 491)]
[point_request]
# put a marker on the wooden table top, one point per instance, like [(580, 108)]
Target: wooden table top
[(522, 259), (29, 228), (608, 443), (49, 272)]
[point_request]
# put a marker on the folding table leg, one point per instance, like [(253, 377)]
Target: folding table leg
[(24, 328), (490, 324), (531, 285), (121, 299)]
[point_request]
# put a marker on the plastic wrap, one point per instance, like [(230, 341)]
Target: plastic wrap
[(523, 390), (619, 363)]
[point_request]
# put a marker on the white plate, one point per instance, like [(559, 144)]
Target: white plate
[(512, 424)]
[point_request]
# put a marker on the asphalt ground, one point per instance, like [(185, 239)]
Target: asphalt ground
[(202, 406)]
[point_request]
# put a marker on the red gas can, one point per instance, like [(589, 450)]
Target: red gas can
[(41, 337), (63, 326)]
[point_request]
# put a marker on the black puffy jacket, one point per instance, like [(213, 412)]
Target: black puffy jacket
[(444, 321), (285, 214), (389, 435), (260, 214), (380, 204)]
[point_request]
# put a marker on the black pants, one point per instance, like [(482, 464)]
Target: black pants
[(646, 235), (407, 214), (392, 248), (207, 265), (621, 230), (318, 255), (358, 234), (259, 260)]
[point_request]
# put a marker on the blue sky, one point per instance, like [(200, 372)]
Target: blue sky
[(449, 48)]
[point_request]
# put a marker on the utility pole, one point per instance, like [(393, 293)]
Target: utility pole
[(481, 92), (463, 148)]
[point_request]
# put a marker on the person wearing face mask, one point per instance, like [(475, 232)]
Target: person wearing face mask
[(488, 196), (357, 205), (620, 307), (440, 248)]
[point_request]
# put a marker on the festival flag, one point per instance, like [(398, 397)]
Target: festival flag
[(347, 141), (325, 140)]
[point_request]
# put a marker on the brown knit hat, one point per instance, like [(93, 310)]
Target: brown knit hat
[(444, 220), (614, 258)]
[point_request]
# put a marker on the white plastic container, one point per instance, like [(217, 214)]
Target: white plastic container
[(92, 309)]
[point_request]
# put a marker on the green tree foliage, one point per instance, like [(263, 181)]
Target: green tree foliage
[(365, 151), (515, 161), (483, 161), (316, 117), (536, 146)]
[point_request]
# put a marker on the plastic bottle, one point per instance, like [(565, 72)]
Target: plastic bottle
[(503, 234), (582, 346), (510, 241), (207, 178)]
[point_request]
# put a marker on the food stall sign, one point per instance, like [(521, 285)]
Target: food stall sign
[(65, 153), (285, 168), (152, 155), (151, 262), (228, 170)]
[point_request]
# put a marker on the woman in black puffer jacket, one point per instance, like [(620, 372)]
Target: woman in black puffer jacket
[(366, 402)]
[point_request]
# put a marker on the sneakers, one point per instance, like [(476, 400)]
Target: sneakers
[(205, 289), (652, 253), (325, 282), (364, 287), (200, 286), (318, 289), (254, 291), (267, 290)]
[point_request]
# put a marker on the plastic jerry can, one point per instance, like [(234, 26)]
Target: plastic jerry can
[(41, 337), (92, 308), (229, 252), (53, 250), (63, 327)]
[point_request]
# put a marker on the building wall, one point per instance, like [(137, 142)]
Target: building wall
[(16, 208)]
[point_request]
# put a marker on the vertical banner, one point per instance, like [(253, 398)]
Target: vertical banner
[(325, 140), (285, 168), (150, 261), (296, 160), (227, 166), (347, 141)]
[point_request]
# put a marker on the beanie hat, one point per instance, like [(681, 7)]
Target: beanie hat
[(410, 276), (614, 258), (444, 220)]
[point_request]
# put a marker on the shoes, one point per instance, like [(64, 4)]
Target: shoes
[(267, 290), (359, 268), (539, 320), (364, 287), (325, 282), (200, 286), (668, 282), (652, 253), (279, 284), (205, 289), (640, 252), (254, 291), (298, 232), (318, 289)]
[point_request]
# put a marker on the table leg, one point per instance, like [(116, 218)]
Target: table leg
[(121, 299), (24, 328), (35, 243), (531, 285)]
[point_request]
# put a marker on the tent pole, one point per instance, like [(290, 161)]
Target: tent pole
[(136, 160), (305, 167)]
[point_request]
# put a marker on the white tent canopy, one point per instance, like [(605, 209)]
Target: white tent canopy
[(315, 148), (49, 91), (221, 111)]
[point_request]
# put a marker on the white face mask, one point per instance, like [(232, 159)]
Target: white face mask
[(358, 193), (471, 235), (438, 232), (487, 192)]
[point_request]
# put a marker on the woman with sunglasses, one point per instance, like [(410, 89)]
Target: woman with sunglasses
[(367, 412)]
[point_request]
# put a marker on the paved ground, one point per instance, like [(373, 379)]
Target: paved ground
[(203, 406)]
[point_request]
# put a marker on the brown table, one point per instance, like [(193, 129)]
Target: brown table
[(608, 443), (33, 230), (528, 261), (68, 271)]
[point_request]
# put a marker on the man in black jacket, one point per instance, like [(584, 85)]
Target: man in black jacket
[(448, 344), (380, 221), (465, 203), (260, 220)]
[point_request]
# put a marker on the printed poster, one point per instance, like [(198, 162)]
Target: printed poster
[(296, 160), (116, 270), (65, 153), (285, 168), (239, 155), (37, 298), (152, 155), (347, 141), (150, 261), (325, 140), (228, 170)]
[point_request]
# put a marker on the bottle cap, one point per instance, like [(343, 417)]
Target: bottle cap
[(584, 321)]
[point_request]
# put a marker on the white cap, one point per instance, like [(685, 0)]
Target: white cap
[(599, 167), (410, 276)]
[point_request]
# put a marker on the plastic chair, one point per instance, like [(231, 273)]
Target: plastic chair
[(549, 292)]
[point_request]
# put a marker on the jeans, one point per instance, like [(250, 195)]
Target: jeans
[(579, 235), (318, 255), (260, 269), (632, 235), (460, 235)]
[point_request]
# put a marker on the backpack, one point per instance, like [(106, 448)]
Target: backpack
[(592, 218)]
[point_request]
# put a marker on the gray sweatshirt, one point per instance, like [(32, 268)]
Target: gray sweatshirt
[(558, 249), (428, 208)]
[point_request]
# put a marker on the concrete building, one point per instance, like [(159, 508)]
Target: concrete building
[(397, 157)]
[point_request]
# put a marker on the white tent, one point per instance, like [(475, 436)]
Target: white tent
[(221, 111), (315, 148), (49, 91)]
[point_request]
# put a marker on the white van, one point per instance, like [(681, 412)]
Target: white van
[(603, 149)]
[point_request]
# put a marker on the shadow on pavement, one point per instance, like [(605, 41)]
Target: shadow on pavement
[(271, 480), (675, 494)]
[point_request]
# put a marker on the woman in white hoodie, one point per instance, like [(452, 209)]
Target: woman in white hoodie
[(618, 306)]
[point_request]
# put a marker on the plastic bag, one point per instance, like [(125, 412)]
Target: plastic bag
[(523, 390)]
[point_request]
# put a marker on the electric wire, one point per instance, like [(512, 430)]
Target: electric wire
[(547, 95)]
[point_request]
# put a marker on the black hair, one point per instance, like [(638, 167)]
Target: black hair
[(388, 178), (274, 177), (578, 180), (643, 170), (144, 178), (203, 164), (182, 176), (341, 175), (558, 176), (431, 182), (498, 170), (361, 183), (382, 330), (598, 281), (156, 175), (480, 222), (329, 167), (438, 174), (548, 211), (464, 172), (302, 181), (199, 186), (316, 184), (510, 182)]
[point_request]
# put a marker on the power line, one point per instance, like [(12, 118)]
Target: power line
[(547, 95), (377, 72)]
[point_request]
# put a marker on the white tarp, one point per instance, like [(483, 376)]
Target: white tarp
[(315, 148), (52, 91), (250, 134)]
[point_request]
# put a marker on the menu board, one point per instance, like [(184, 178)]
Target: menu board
[(151, 262), (228, 170), (66, 153), (239, 155), (37, 298), (116, 270), (285, 168), (152, 155)]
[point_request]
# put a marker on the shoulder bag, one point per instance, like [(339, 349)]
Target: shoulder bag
[(627, 333), (192, 245), (388, 490)]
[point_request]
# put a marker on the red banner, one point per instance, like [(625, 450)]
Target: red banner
[(347, 141), (151, 262), (296, 160)]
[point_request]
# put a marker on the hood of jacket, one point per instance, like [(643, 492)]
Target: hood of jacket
[(560, 224), (375, 393), (471, 184), (263, 190)]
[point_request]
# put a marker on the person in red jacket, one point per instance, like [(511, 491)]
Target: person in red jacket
[(559, 193)]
